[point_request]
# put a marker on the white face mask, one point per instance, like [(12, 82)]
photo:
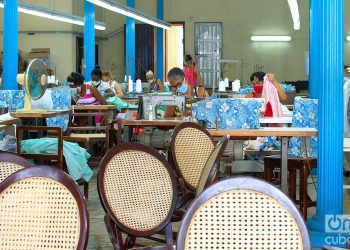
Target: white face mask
[(105, 82), (94, 83), (79, 89), (150, 81)]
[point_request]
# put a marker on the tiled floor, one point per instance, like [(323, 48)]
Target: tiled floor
[(98, 234)]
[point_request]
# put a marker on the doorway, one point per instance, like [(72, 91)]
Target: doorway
[(80, 55), (174, 46), (208, 50)]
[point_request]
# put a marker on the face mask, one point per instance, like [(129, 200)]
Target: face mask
[(79, 89), (105, 82), (150, 81), (94, 83), (183, 89)]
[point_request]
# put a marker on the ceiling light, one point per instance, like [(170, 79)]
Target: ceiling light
[(131, 12), (52, 14), (294, 10), (348, 38), (271, 38)]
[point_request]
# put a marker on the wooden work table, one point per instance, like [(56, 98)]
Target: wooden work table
[(9, 122), (167, 123), (284, 132), (94, 108), (38, 113)]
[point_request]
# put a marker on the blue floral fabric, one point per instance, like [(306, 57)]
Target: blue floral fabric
[(305, 115), (13, 99), (206, 111), (287, 87), (238, 113), (61, 99)]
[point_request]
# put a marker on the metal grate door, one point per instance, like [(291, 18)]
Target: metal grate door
[(208, 50)]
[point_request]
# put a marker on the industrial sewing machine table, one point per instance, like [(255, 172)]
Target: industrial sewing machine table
[(167, 123), (9, 122), (285, 133)]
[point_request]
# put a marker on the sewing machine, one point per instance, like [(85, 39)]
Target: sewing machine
[(151, 103)]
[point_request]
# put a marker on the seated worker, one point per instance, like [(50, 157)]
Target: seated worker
[(86, 94), (156, 85), (107, 78), (176, 78), (257, 80), (104, 88)]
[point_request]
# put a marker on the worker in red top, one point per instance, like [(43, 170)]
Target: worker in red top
[(257, 80), (192, 74)]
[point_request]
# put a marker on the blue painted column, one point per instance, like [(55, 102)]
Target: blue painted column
[(89, 38), (330, 109), (314, 68), (160, 42), (130, 44), (10, 45)]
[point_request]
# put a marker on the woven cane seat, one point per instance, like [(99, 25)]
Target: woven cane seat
[(243, 219), (138, 189), (8, 168), (192, 149), (38, 213)]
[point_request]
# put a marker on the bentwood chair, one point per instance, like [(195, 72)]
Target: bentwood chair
[(191, 146), (42, 208), (243, 213), (137, 189), (10, 163), (209, 176)]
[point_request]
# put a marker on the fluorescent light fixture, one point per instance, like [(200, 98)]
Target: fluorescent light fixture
[(294, 10), (348, 38), (270, 38), (131, 12), (52, 14)]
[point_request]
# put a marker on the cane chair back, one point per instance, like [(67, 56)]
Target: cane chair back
[(191, 146), (42, 208), (212, 166), (10, 163), (243, 213), (137, 188)]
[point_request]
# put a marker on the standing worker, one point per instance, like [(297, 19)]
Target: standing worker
[(193, 75)]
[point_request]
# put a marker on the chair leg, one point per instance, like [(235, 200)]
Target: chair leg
[(86, 189), (292, 184), (268, 170), (304, 174)]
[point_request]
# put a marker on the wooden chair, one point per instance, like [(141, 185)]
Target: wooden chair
[(10, 163), (208, 176), (191, 146), (86, 135), (50, 159), (137, 189), (42, 208), (243, 213)]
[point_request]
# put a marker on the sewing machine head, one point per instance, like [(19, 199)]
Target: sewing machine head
[(157, 104)]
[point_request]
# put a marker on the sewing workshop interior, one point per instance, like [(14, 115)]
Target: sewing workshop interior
[(175, 124)]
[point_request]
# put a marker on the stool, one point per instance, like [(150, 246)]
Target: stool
[(294, 165)]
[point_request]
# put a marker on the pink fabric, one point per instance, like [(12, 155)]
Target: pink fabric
[(191, 76), (270, 95)]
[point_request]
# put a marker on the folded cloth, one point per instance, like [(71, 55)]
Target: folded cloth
[(270, 95), (119, 103), (76, 157)]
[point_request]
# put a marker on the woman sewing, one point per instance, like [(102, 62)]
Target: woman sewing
[(193, 75), (96, 81), (272, 92), (155, 85), (107, 79), (176, 78)]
